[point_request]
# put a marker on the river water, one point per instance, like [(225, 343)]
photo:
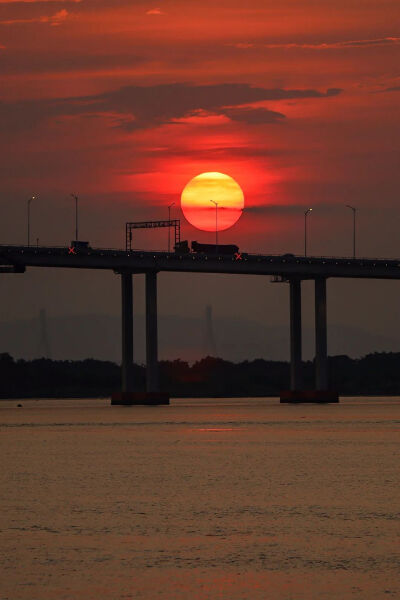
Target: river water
[(205, 499)]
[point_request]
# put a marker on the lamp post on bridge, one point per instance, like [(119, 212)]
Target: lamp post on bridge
[(169, 228), (29, 217), (305, 229), (216, 224), (75, 197), (354, 210)]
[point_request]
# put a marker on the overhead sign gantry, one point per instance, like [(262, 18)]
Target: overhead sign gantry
[(129, 227)]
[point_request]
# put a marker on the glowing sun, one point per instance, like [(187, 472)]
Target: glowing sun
[(200, 195)]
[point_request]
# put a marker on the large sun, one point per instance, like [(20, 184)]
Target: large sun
[(200, 195)]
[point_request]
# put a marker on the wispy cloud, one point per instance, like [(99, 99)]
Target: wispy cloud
[(386, 41), (22, 2), (53, 20), (154, 11), (293, 209), (253, 116), (391, 89)]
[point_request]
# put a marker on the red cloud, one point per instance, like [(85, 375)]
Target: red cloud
[(154, 11), (386, 41), (34, 1), (53, 20)]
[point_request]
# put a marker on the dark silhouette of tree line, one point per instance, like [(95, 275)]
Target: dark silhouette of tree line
[(374, 374)]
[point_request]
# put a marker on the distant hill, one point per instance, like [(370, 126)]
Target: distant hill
[(99, 337)]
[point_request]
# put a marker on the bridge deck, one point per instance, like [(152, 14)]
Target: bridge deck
[(249, 264)]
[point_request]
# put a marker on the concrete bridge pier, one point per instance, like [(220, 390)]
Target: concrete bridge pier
[(151, 333), (296, 375), (127, 332), (322, 391), (321, 346), (297, 394), (129, 394)]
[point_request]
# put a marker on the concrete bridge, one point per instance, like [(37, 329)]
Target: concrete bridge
[(287, 268)]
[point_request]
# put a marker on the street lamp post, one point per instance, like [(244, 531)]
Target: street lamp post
[(29, 217), (75, 197), (216, 225), (354, 210), (305, 229), (169, 227)]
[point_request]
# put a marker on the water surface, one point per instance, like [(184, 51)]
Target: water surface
[(204, 499)]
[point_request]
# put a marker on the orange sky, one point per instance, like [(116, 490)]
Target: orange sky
[(126, 101)]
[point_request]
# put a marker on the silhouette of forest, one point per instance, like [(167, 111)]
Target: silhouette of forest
[(374, 374)]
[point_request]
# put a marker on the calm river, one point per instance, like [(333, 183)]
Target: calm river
[(208, 499)]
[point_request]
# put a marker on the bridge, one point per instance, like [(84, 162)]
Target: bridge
[(286, 268)]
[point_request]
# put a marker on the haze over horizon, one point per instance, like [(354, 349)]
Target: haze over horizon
[(78, 337)]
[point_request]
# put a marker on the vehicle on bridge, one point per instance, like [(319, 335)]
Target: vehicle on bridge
[(198, 248), (182, 247), (79, 245)]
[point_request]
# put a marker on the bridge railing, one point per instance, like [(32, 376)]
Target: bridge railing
[(287, 257)]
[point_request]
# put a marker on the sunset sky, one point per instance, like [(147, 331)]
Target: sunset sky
[(124, 101)]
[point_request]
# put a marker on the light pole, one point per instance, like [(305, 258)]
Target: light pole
[(306, 212), (352, 208), (169, 226), (216, 225), (75, 197), (29, 217)]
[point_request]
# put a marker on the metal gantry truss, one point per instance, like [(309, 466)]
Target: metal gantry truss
[(175, 223)]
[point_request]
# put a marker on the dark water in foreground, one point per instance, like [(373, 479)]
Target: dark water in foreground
[(214, 499)]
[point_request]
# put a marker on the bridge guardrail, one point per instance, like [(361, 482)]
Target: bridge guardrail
[(122, 252)]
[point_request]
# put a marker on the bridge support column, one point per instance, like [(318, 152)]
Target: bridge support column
[(151, 333), (127, 383), (296, 379), (127, 331), (297, 394), (128, 394), (321, 347)]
